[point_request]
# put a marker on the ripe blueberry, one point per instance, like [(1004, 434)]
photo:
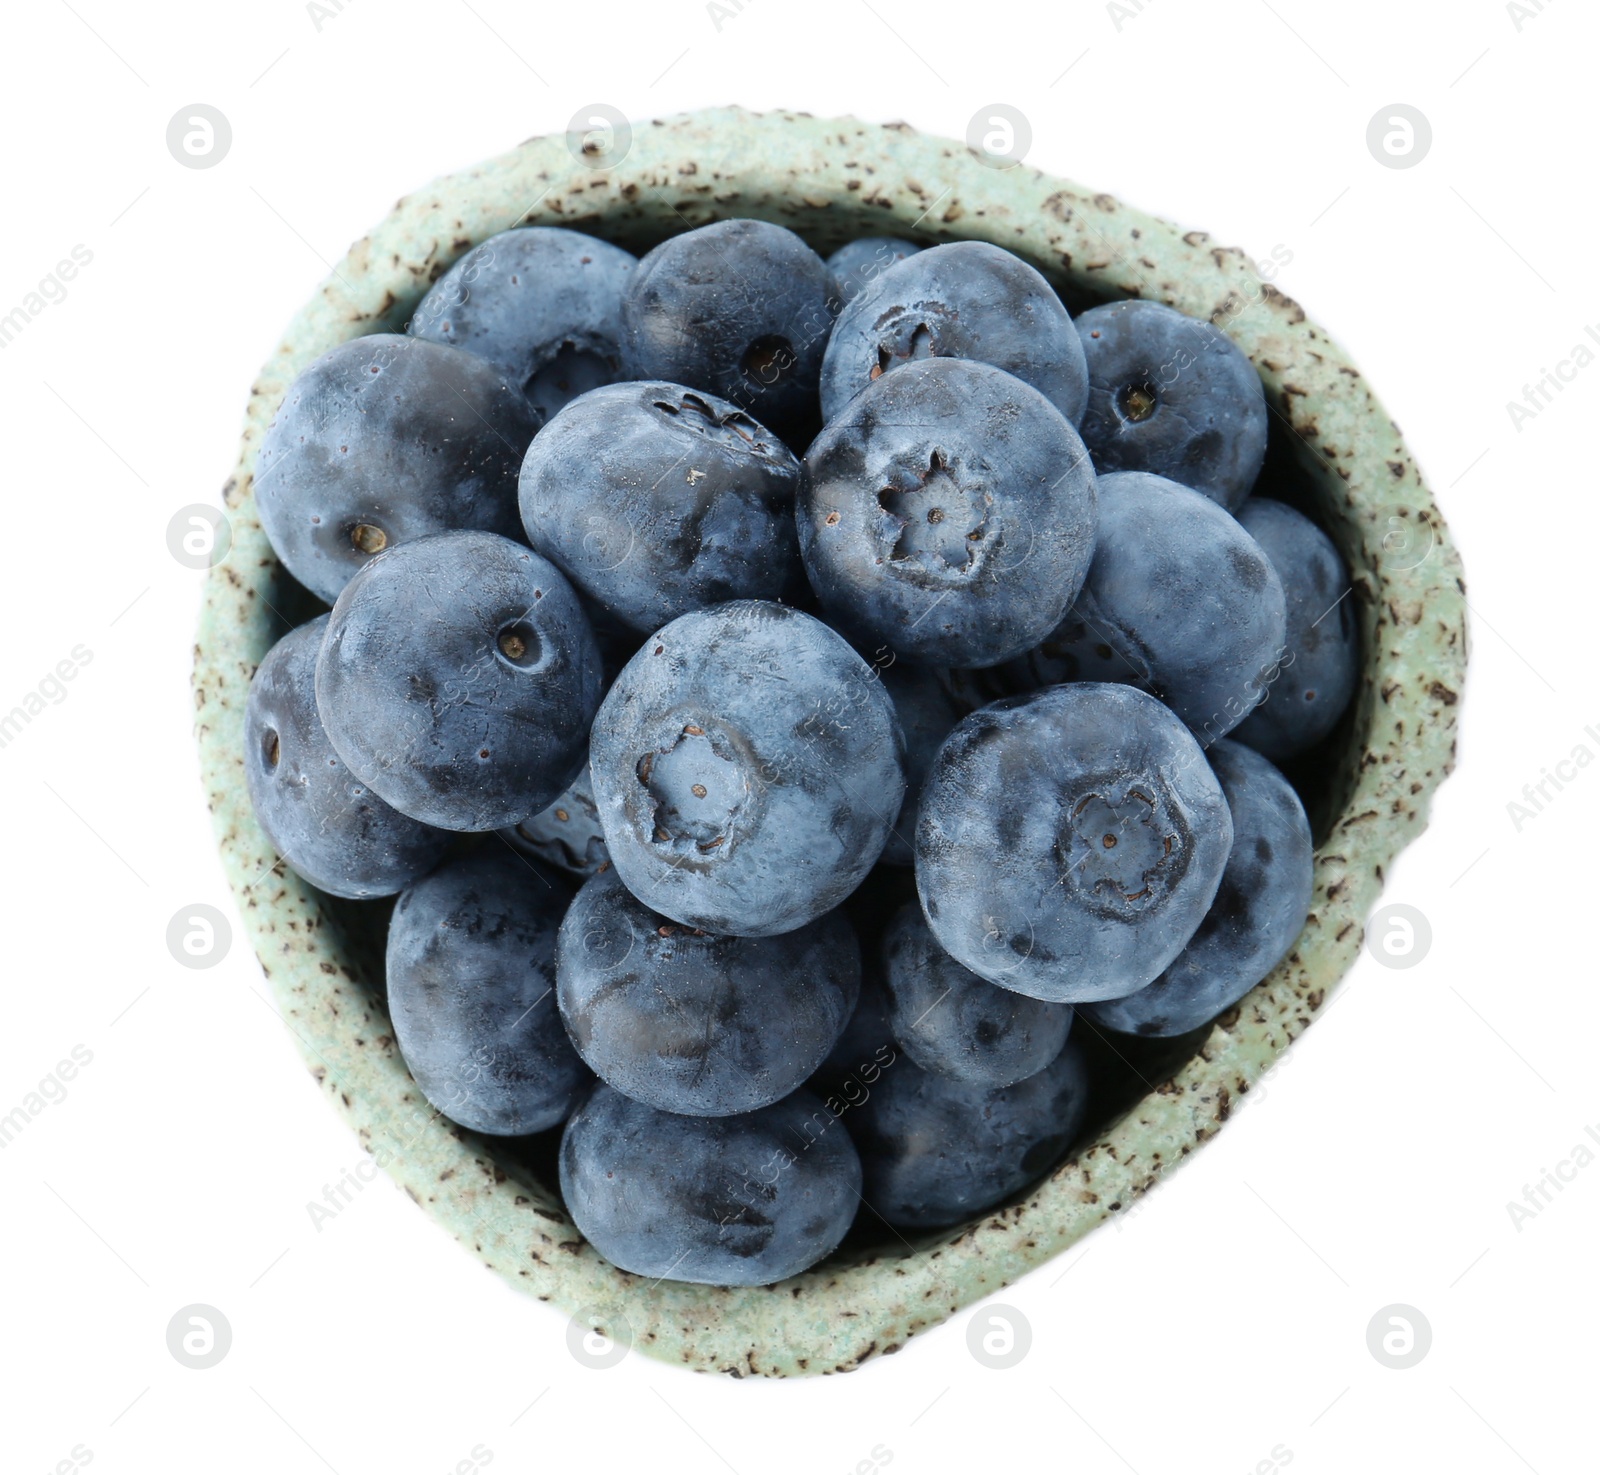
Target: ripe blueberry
[(935, 1151), (695, 1023), (1172, 395), (334, 831), (1070, 842), (1322, 660), (731, 1201), (1259, 909), (382, 440), (965, 300), (656, 500), (948, 514), (544, 305), (1180, 601), (458, 679), (955, 1024), (854, 267), (748, 766), (471, 981), (738, 308)]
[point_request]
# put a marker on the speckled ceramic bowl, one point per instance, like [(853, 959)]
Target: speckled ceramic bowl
[(1336, 453)]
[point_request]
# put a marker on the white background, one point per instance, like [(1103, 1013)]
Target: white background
[(1220, 1328)]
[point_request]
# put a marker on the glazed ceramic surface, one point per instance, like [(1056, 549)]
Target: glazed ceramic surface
[(1336, 453)]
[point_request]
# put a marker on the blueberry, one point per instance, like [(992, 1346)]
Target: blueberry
[(382, 440), (947, 514), (935, 1151), (747, 765), (656, 500), (1070, 842), (458, 679), (927, 712), (854, 267), (966, 300), (1258, 912), (865, 1048), (1172, 395), (544, 305), (1318, 675), (687, 1021), (955, 1024), (738, 308), (1180, 601), (472, 974), (331, 828), (731, 1201), (567, 833), (971, 688)]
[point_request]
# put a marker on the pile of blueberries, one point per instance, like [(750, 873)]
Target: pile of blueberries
[(780, 693)]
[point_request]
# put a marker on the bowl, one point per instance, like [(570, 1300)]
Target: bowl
[(1335, 453)]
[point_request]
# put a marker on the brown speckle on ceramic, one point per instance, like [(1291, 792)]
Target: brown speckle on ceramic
[(832, 179)]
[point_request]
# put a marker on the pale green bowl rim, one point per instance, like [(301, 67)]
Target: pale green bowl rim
[(831, 179)]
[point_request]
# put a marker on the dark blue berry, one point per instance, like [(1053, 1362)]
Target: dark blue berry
[(687, 1021), (935, 1151), (1259, 909), (566, 833), (966, 300), (334, 831), (458, 679), (1070, 842), (730, 1201), (1318, 674), (544, 305), (472, 975), (948, 514), (1172, 395), (748, 766), (953, 1023), (382, 440), (738, 308), (656, 500), (854, 267), (865, 1048), (927, 712), (1180, 601)]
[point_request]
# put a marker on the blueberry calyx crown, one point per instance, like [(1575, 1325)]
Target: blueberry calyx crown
[(937, 521), (734, 431), (697, 793), (905, 335), (1123, 846)]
